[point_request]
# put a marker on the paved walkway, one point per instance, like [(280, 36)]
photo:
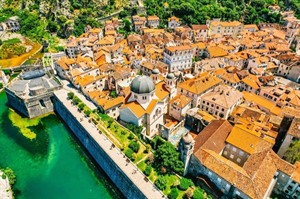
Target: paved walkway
[(4, 187), (130, 169), (69, 87)]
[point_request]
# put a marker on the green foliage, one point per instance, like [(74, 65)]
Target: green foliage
[(198, 194), (157, 141), (135, 129), (10, 174), (81, 106), (70, 95), (166, 156), (161, 182), (76, 100), (1, 42), (184, 184), (87, 112), (293, 153), (198, 11), (11, 48), (113, 94), (134, 146), (173, 194), (148, 170), (129, 153), (1, 85), (131, 136)]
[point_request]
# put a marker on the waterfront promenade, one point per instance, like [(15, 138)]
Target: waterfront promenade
[(129, 168), (5, 189)]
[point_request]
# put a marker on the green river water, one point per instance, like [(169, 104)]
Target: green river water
[(52, 166)]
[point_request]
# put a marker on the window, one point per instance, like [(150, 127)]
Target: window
[(234, 149), (219, 180), (231, 156), (209, 173), (238, 160), (241, 153), (225, 152)]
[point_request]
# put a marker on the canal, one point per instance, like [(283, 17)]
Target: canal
[(52, 164)]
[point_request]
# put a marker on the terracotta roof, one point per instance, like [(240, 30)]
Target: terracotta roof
[(110, 102), (178, 48), (225, 23), (151, 106), (180, 101), (160, 91), (254, 177), (199, 27), (216, 51), (200, 84), (213, 136), (294, 129), (173, 18), (223, 95), (153, 17), (135, 108), (296, 174), (260, 101), (244, 139)]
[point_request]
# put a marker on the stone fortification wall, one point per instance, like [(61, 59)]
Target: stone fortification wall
[(120, 179)]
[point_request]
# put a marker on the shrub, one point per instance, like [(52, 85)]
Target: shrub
[(134, 146), (129, 153), (184, 184), (87, 112), (1, 85), (76, 100), (173, 194), (134, 156), (161, 182), (113, 94), (81, 106), (198, 194), (148, 170), (131, 136)]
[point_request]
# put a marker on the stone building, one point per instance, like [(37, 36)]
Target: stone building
[(261, 174), (220, 101), (173, 22), (31, 94), (179, 58), (224, 28)]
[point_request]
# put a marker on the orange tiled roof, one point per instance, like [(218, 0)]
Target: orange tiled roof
[(200, 84)]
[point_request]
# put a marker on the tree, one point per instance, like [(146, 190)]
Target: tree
[(198, 194), (161, 182), (184, 184), (81, 106), (293, 153), (76, 100), (173, 194), (87, 112), (1, 42), (167, 156), (148, 170), (113, 94), (134, 146), (129, 153)]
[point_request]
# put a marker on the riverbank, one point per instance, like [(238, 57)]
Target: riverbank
[(5, 188)]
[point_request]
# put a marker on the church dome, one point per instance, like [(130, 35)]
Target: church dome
[(170, 76), (155, 71), (142, 84), (187, 138)]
